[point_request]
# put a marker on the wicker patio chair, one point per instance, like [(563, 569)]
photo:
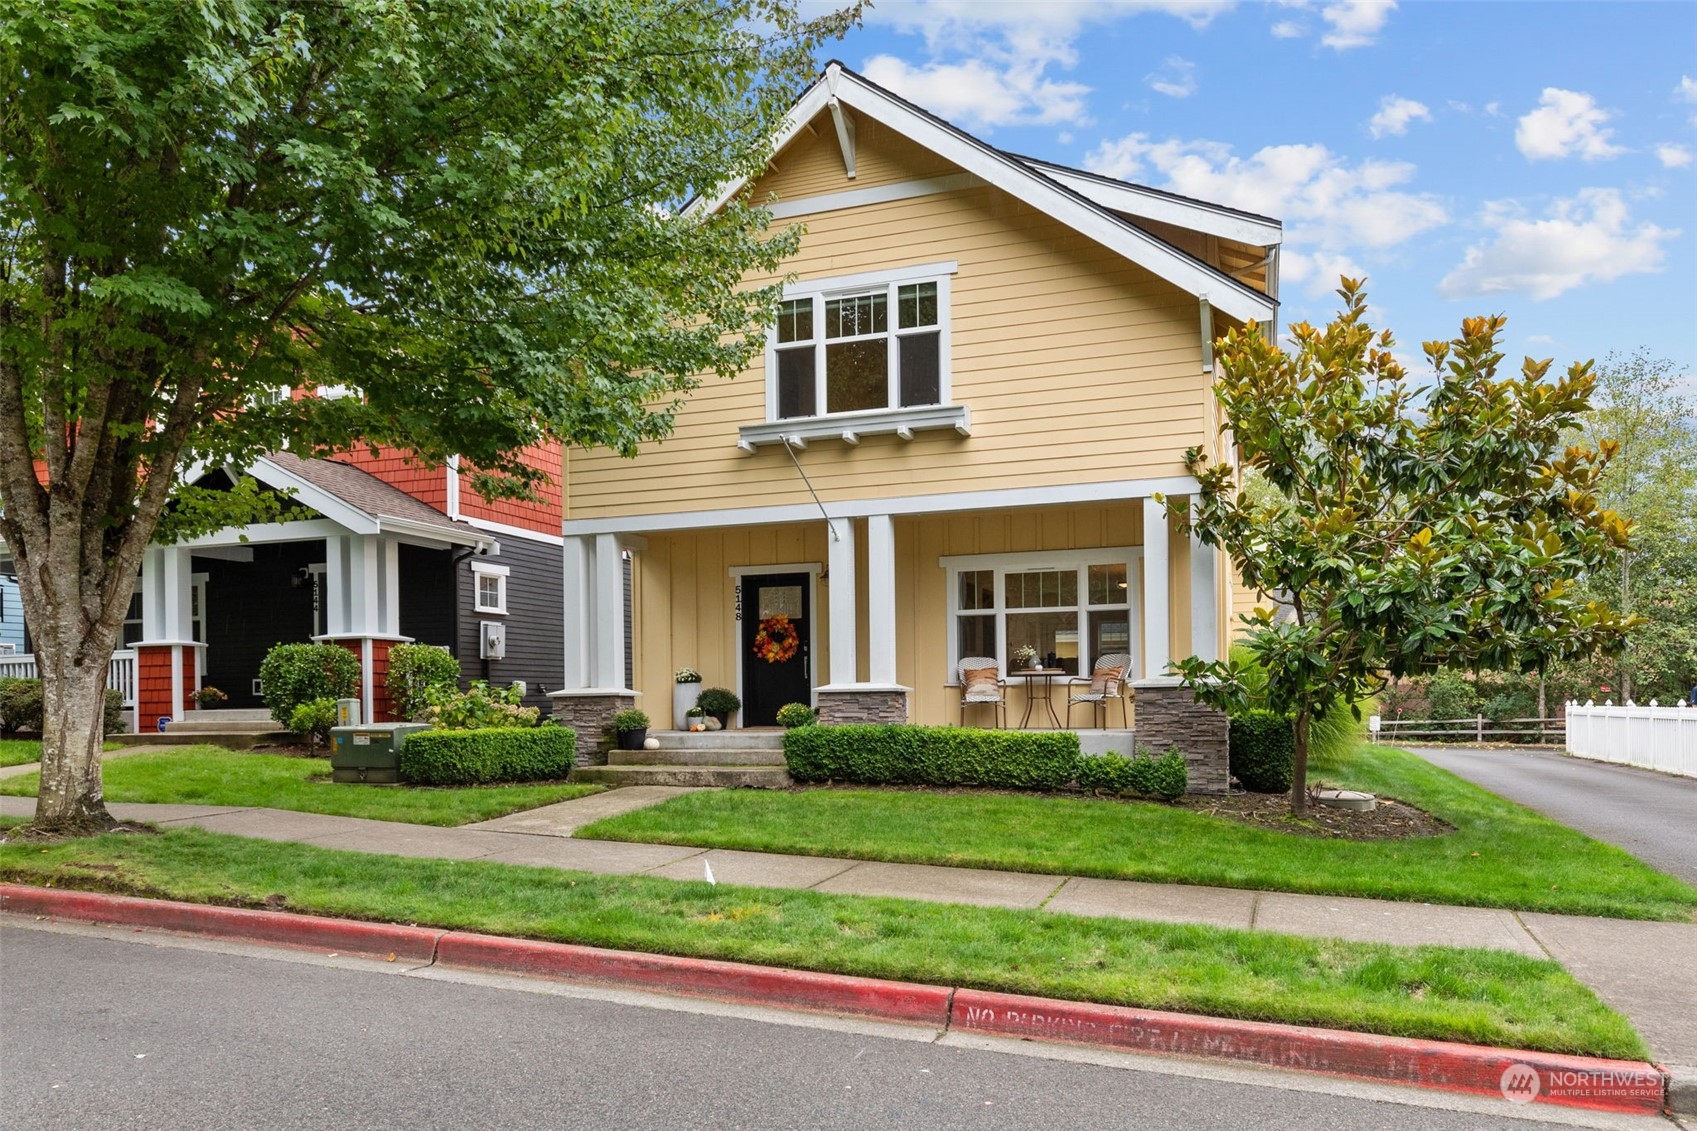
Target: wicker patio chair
[(1106, 682), (981, 682)]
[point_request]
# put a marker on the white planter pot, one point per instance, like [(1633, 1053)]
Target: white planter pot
[(684, 696)]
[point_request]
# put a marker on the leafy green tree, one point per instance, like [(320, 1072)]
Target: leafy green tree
[(1652, 481), (1401, 531), (467, 210)]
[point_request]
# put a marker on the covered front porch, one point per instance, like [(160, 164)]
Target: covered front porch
[(867, 616)]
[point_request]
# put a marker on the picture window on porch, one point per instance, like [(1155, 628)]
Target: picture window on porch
[(842, 352), (1071, 607), (489, 588)]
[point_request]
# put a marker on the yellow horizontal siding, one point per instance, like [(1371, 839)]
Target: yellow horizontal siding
[(812, 164), (1077, 365)]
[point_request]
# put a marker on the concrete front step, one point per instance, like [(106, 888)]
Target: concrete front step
[(671, 756), (212, 724), (232, 740), (719, 739), (710, 777), (233, 715)]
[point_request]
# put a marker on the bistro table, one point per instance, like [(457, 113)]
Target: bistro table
[(1033, 677)]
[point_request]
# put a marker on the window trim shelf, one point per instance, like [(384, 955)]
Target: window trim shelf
[(849, 427)]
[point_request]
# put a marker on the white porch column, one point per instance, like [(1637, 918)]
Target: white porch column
[(167, 617), (609, 636), (840, 562), (366, 587), (880, 600), (579, 557), (1204, 600), (338, 618), (1156, 647), (388, 587)]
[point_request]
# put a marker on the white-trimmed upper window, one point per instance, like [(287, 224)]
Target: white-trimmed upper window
[(863, 343), (1070, 607), (489, 587)]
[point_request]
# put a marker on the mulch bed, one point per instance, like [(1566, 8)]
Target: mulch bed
[(1389, 820)]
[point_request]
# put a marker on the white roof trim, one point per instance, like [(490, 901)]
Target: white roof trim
[(1148, 204), (1021, 181), (353, 518)]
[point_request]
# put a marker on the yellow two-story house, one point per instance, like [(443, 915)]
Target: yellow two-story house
[(983, 369)]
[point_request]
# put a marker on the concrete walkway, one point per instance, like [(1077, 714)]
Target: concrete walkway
[(1648, 971)]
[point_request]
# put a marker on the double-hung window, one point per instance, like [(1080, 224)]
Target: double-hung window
[(1068, 608), (862, 346)]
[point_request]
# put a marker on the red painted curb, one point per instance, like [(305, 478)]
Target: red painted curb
[(1632, 1087), (701, 977), (344, 936)]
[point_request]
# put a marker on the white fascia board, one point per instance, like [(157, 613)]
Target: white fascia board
[(817, 98), (431, 532), (1112, 491), (1046, 196), (299, 530), (311, 495), (1198, 216)]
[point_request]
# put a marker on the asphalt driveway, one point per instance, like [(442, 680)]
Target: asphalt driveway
[(1651, 815)]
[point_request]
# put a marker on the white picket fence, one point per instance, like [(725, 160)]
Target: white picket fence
[(1655, 737)]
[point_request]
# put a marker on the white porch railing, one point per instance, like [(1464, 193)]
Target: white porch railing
[(120, 673), (1654, 737)]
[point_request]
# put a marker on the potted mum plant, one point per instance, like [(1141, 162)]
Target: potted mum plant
[(695, 719), (631, 725), (209, 697), (719, 702), (686, 688)]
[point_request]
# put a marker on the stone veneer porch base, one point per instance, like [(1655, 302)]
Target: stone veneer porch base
[(590, 715), (838, 706), (1168, 715)]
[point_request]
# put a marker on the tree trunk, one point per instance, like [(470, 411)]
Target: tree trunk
[(1543, 711), (1625, 607), (1299, 769), (70, 800)]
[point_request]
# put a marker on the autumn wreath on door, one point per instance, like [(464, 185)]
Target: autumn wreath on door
[(776, 640)]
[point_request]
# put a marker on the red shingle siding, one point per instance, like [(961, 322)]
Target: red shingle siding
[(396, 468), (153, 686), (543, 516)]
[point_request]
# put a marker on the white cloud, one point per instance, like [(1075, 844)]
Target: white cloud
[(990, 62), (1588, 238), (1673, 156), (1332, 209), (1287, 29), (1395, 112), (978, 94), (1566, 122), (1687, 88), (1176, 78), (1355, 23)]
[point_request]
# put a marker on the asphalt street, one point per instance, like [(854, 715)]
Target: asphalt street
[(122, 1031), (1651, 815)]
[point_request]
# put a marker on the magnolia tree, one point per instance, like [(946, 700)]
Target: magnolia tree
[(467, 210), (1399, 528)]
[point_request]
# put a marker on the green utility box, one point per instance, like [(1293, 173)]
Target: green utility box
[(370, 753)]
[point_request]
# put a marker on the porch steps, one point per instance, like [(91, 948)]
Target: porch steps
[(239, 728), (725, 759)]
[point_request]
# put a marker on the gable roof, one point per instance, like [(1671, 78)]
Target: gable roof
[(359, 500), (1167, 207), (1036, 185)]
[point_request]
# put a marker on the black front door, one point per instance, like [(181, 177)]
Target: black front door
[(776, 664)]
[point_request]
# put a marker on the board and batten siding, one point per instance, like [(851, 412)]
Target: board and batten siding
[(685, 593), (1077, 365)]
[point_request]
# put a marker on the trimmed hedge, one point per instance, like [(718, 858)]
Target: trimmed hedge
[(1263, 751), (920, 755), (1147, 775), (495, 754)]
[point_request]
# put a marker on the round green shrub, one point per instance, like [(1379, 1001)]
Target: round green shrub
[(313, 719), (419, 674), (1263, 751), (20, 705), (792, 715), (1104, 773), (292, 674), (630, 719), (719, 701)]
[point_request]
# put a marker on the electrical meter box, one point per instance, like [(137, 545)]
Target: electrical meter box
[(370, 753)]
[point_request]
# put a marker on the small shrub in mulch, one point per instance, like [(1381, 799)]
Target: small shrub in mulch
[(1389, 820)]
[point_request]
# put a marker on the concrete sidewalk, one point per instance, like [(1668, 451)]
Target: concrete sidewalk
[(1647, 971)]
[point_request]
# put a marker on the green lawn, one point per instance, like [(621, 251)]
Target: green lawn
[(1501, 855), (1482, 996), (211, 775), (17, 751)]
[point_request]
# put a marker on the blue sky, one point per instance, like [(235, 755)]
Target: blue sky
[(1532, 159)]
